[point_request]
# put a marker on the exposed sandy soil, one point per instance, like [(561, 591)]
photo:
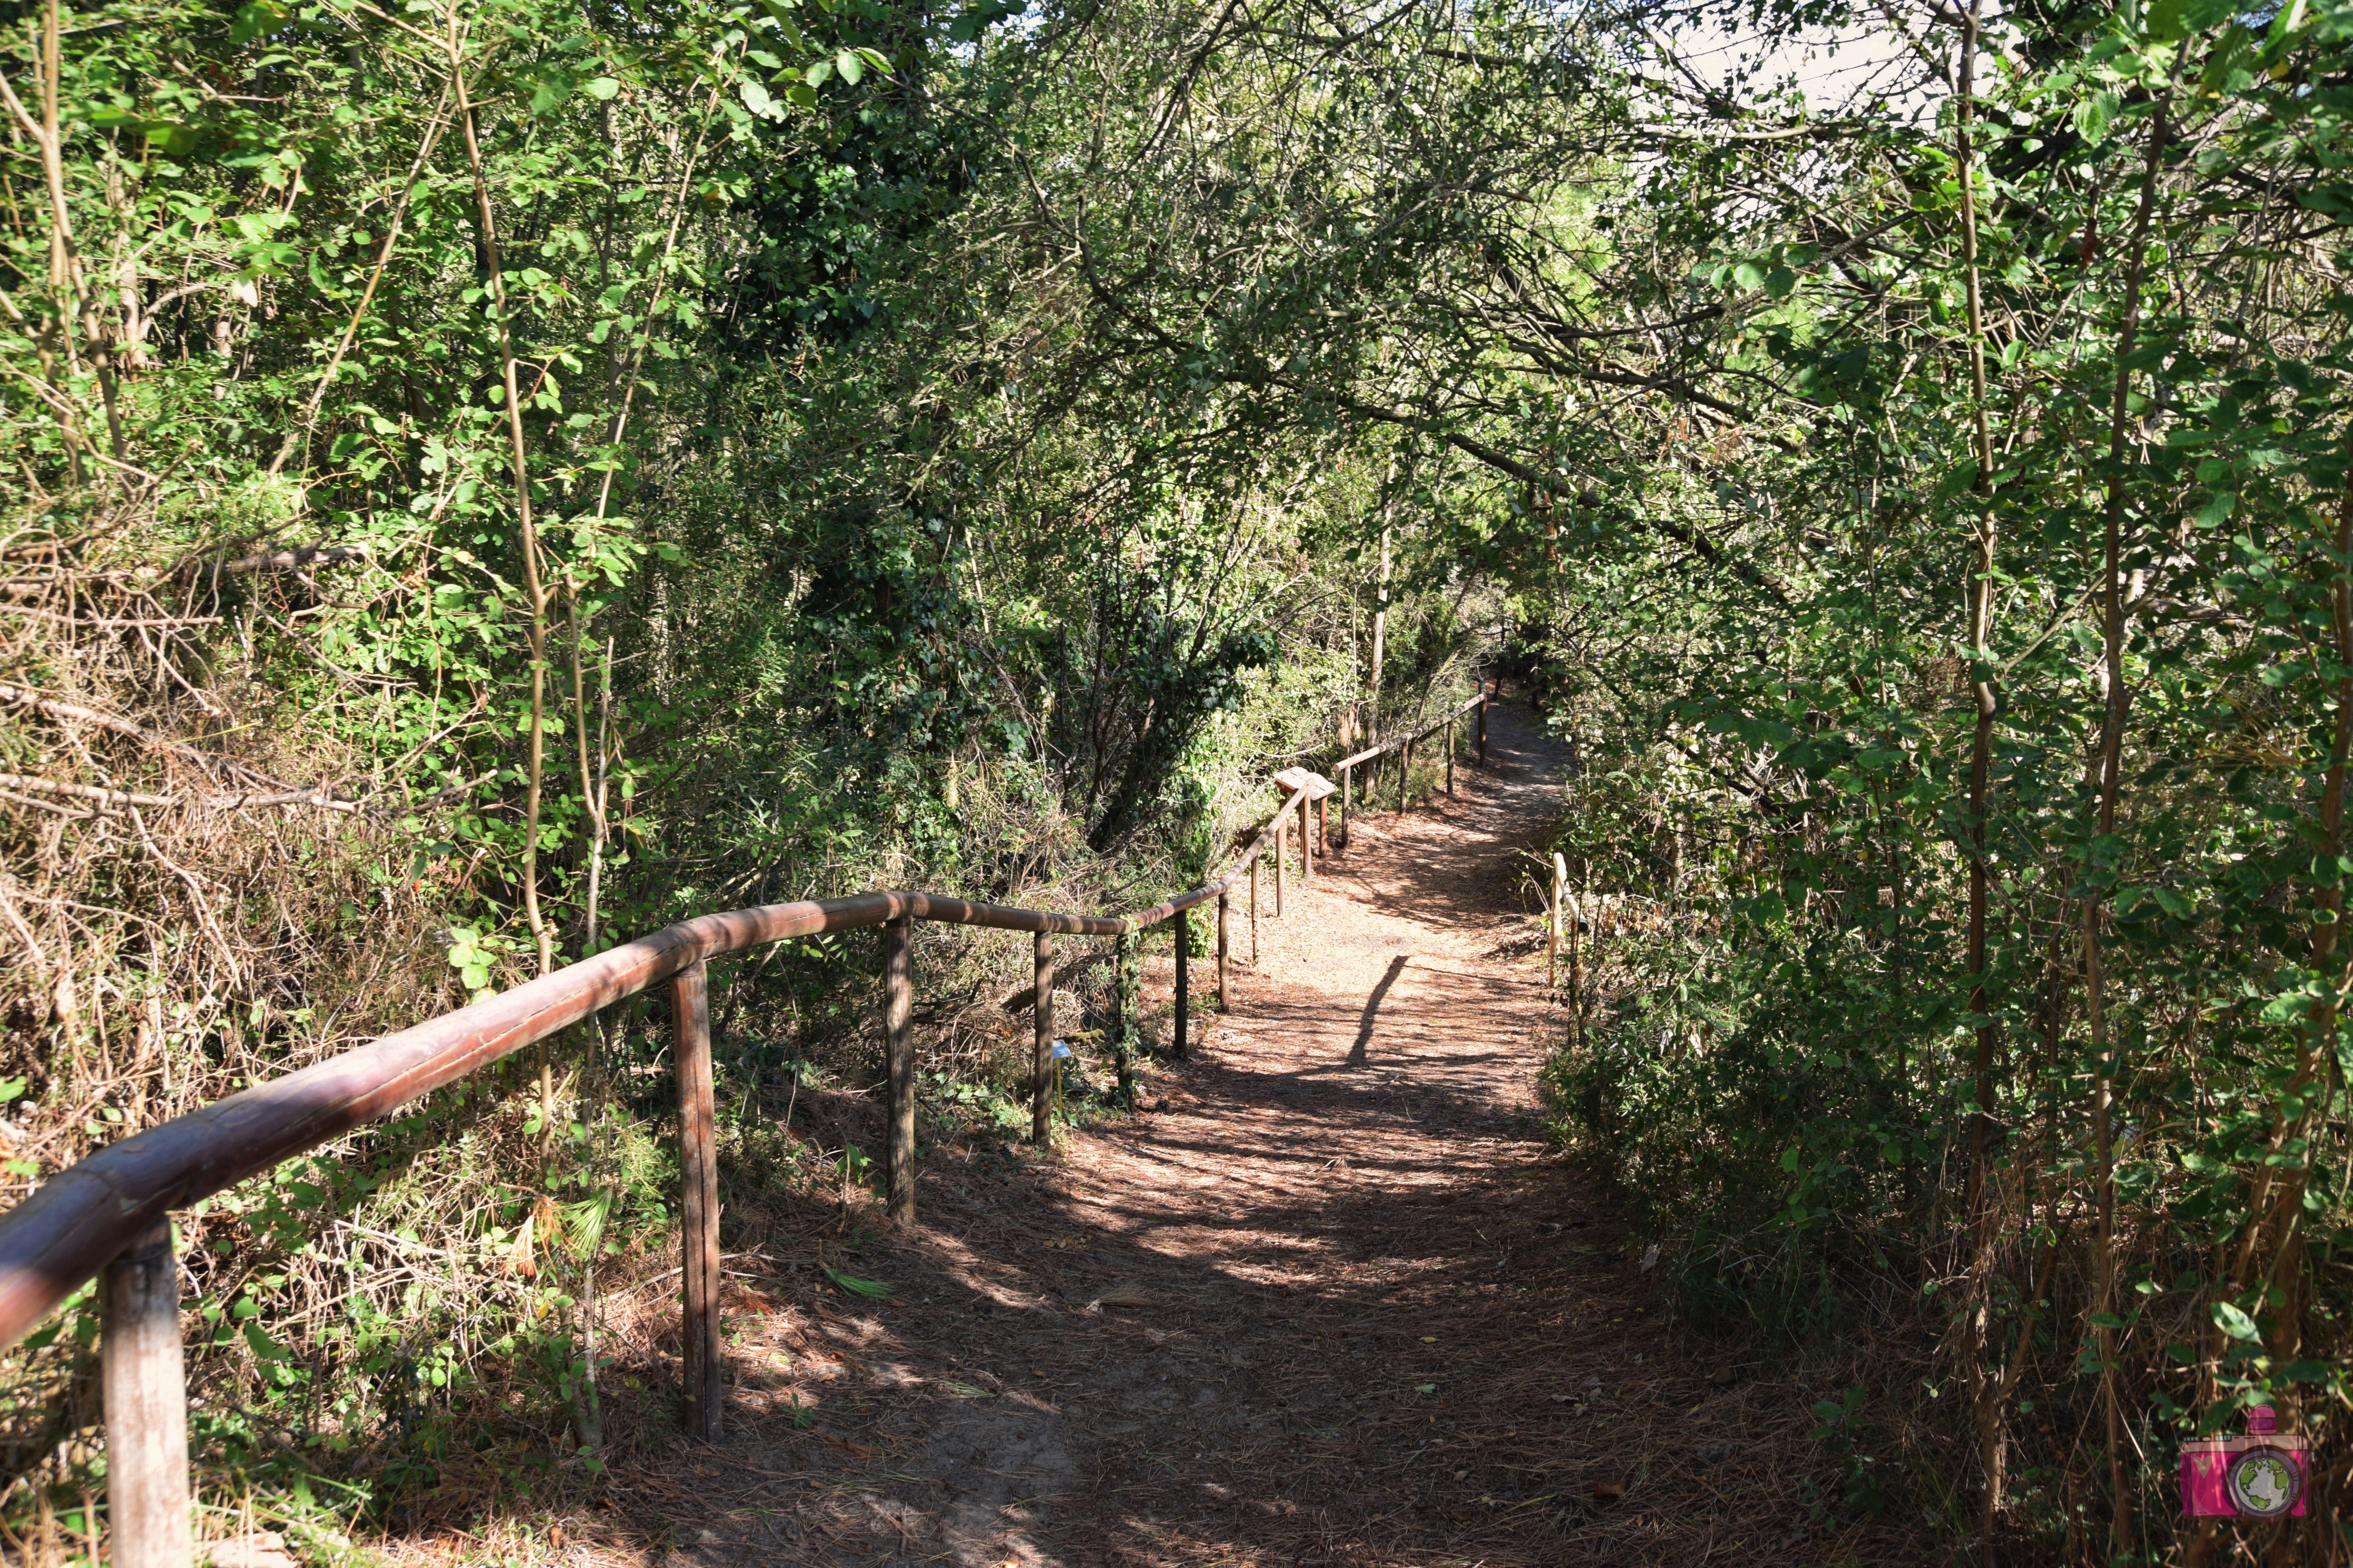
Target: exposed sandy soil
[(1371, 1316)]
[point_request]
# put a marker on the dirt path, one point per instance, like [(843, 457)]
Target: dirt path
[(1333, 1299)]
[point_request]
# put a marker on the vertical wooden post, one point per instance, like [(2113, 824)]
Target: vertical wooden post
[(698, 1168), (898, 1010), (1281, 827), (1307, 842), (146, 1405), (1452, 724), (1552, 932), (1483, 729), (1324, 825), (1223, 1007), (1125, 981), (1575, 923), (1042, 1061), (1347, 790), (1254, 911), (1183, 926), (1404, 777)]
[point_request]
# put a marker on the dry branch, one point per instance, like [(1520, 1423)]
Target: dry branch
[(115, 797)]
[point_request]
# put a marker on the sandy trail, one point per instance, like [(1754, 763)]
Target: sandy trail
[(1334, 1299)]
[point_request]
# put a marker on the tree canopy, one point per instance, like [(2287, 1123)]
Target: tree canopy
[(599, 464)]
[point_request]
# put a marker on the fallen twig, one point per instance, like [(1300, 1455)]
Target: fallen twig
[(316, 795)]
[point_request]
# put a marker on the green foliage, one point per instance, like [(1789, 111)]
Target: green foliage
[(767, 584), (872, 1288), (964, 453), (1779, 1043)]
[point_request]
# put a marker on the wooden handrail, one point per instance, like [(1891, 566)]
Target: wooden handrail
[(1345, 767), (110, 1212), (78, 1219)]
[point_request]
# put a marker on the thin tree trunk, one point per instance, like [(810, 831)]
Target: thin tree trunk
[(65, 290), (1380, 631), (1992, 1440), (2110, 763), (528, 537)]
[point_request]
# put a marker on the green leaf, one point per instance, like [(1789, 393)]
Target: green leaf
[(850, 67), (549, 89), (2233, 57), (583, 1224), (2218, 510), (755, 98), (254, 20), (2093, 114), (875, 1288), (2236, 1323), (786, 25), (602, 89)]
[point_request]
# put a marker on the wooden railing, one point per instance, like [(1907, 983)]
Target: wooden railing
[(109, 1215), (1403, 745)]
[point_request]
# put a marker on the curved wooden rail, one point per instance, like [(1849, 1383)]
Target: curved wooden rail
[(110, 1212), (66, 1231)]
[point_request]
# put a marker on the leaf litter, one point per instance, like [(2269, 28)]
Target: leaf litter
[(1240, 1416)]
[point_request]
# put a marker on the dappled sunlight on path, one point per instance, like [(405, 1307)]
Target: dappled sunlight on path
[(1332, 1298)]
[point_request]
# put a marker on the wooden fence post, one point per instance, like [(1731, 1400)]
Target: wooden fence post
[(1126, 1002), (1451, 725), (1482, 729), (1324, 825), (1281, 825), (1575, 921), (1347, 788), (1405, 776), (698, 1168), (146, 1396), (1307, 842), (1223, 1007), (898, 1011), (1182, 925), (1254, 911), (1041, 1078)]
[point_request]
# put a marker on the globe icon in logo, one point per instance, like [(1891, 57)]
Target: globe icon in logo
[(2264, 1483)]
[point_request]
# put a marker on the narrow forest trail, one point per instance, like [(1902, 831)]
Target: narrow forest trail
[(1371, 1318)]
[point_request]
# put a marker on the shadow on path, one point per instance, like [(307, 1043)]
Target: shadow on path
[(1336, 1300), (1372, 1013)]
